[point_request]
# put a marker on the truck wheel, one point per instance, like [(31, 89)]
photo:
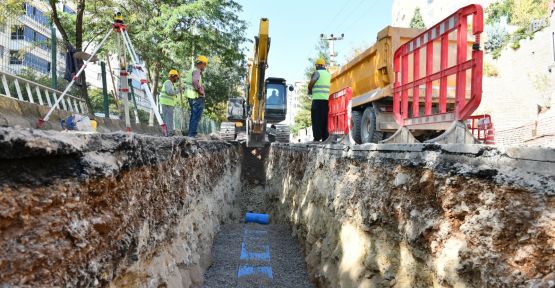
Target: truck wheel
[(356, 117), (369, 134)]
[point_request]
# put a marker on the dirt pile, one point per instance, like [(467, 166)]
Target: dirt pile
[(419, 215), (112, 209)]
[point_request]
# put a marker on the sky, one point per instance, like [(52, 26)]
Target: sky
[(296, 25)]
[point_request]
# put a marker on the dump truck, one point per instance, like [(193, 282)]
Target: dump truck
[(405, 61), (370, 75)]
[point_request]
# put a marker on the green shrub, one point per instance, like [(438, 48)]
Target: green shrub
[(497, 37), (490, 70), (497, 10), (524, 11)]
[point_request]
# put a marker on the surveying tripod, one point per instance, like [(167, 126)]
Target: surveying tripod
[(123, 40)]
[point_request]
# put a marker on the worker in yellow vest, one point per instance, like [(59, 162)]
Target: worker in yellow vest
[(195, 93), (168, 96), (319, 88)]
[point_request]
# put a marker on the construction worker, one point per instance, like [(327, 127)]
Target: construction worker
[(319, 88), (195, 93), (168, 96)]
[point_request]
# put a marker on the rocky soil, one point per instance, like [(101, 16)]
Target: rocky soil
[(120, 210), (419, 215)]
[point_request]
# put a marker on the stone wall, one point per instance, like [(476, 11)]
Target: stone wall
[(111, 210), (419, 215)]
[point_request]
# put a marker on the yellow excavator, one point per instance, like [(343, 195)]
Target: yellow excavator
[(265, 103)]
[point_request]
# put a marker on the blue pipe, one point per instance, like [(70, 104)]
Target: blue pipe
[(257, 218)]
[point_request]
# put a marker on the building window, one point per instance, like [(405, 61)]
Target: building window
[(36, 38), (68, 10), (17, 32), (15, 58), (34, 62), (36, 14)]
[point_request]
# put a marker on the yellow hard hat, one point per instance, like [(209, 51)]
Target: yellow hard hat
[(174, 72), (320, 61), (202, 59)]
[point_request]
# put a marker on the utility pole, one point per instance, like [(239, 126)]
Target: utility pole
[(331, 39)]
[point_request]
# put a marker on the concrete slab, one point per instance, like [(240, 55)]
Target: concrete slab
[(544, 154)]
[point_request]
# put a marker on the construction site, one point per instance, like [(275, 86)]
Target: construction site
[(419, 182)]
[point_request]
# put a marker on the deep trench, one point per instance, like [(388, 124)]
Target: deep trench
[(252, 254), (120, 210)]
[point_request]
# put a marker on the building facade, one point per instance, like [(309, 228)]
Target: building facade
[(432, 11), (25, 41), (293, 103)]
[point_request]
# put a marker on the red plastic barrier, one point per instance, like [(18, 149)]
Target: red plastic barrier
[(414, 111), (481, 127), (339, 114)]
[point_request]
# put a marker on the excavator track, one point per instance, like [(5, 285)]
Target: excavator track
[(282, 134), (227, 131)]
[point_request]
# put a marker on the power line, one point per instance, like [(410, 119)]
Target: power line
[(356, 19), (337, 15), (352, 11)]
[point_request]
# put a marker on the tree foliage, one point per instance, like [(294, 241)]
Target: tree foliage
[(524, 11), (519, 13), (8, 8), (497, 10), (417, 21), (167, 34)]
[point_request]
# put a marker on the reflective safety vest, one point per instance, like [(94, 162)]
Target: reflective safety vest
[(321, 89), (165, 98), (189, 88)]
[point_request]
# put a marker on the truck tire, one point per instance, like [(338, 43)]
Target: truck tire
[(356, 117), (369, 133)]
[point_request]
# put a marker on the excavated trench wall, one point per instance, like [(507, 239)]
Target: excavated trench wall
[(121, 210), (111, 209), (418, 215)]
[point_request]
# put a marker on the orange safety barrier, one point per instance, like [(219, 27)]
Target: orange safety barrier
[(437, 61), (339, 114), (481, 127)]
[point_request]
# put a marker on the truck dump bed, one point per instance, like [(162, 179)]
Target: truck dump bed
[(370, 74)]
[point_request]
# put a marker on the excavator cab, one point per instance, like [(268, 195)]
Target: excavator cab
[(276, 100)]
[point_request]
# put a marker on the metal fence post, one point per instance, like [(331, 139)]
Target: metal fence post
[(106, 101)]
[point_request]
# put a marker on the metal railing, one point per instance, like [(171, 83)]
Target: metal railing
[(25, 90)]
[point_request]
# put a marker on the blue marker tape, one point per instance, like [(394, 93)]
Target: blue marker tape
[(245, 270), (257, 256)]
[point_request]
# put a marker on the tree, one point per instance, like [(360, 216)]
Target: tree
[(166, 35), (9, 8), (417, 22), (497, 10), (222, 82), (524, 11), (71, 27), (169, 34)]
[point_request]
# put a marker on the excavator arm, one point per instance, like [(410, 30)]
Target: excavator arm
[(256, 124)]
